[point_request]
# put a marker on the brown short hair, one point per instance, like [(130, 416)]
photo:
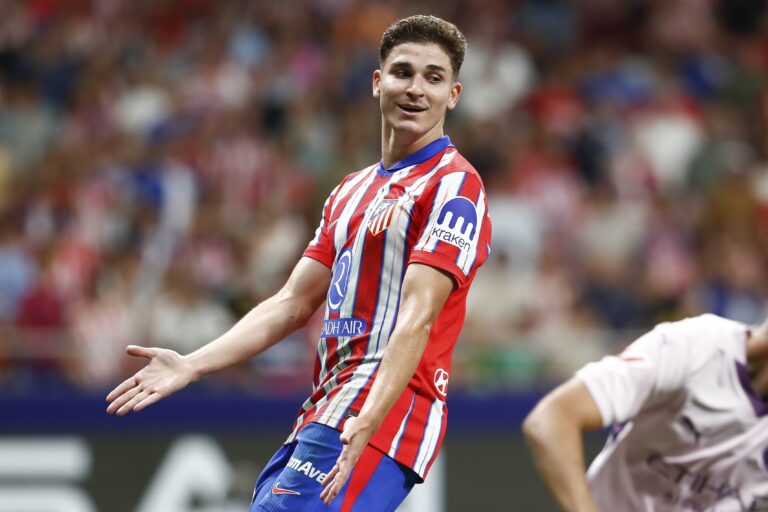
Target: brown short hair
[(426, 29)]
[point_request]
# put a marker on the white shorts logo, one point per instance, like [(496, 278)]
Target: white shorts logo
[(307, 468)]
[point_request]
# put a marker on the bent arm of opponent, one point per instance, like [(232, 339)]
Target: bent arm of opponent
[(554, 431)]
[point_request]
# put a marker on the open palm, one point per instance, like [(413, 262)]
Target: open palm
[(166, 373)]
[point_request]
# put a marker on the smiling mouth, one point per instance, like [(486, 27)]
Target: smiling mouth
[(411, 109)]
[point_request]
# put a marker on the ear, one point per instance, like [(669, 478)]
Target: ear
[(455, 95), (376, 83)]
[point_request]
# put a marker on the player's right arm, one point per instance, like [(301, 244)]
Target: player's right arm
[(610, 391), (554, 431), (266, 324)]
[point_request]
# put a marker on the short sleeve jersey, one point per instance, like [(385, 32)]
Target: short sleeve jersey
[(430, 209), (689, 432)]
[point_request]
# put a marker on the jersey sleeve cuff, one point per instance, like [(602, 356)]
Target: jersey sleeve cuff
[(318, 254), (440, 262), (585, 376)]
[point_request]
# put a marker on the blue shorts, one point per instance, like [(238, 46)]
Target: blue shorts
[(291, 480)]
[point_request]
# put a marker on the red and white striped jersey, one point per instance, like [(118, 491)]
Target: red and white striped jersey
[(430, 208)]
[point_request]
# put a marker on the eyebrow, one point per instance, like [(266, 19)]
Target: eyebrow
[(407, 65)]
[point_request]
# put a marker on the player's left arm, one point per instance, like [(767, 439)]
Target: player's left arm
[(425, 290)]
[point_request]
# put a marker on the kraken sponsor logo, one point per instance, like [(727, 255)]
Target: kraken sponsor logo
[(456, 223)]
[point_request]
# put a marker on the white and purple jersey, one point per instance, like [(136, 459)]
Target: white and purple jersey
[(689, 432), (430, 208)]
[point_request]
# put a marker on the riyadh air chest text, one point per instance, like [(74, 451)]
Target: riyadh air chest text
[(343, 327)]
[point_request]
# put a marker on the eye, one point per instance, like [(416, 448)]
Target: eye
[(435, 78), (400, 73)]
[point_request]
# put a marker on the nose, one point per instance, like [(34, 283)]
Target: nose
[(415, 87)]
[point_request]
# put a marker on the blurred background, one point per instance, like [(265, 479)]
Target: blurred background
[(163, 164)]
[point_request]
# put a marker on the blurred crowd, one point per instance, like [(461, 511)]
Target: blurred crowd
[(163, 164)]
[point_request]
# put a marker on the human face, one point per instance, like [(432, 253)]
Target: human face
[(415, 89)]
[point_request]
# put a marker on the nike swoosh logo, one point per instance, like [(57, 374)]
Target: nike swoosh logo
[(276, 489)]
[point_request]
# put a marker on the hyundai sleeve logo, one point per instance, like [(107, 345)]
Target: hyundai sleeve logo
[(441, 381)]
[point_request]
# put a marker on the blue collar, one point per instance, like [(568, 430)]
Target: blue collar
[(421, 155)]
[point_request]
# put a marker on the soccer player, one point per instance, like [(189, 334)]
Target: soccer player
[(397, 247), (687, 403)]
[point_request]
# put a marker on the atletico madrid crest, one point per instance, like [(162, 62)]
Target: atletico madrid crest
[(382, 216)]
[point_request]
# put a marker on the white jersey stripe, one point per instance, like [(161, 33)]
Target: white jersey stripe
[(394, 260), (458, 256), (306, 406), (383, 321), (358, 246), (363, 373), (322, 354), (467, 259), (388, 283), (351, 184), (371, 224), (340, 238), (432, 216), (431, 436), (386, 309), (342, 226), (401, 430), (417, 188), (321, 227), (450, 185), (334, 413)]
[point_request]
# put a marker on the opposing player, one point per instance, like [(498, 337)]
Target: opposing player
[(393, 258), (687, 403)]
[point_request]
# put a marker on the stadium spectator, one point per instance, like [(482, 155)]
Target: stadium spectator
[(661, 104)]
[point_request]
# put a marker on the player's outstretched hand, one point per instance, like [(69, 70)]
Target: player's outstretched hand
[(355, 438), (166, 373)]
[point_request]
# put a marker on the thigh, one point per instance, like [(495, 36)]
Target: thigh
[(271, 472), (377, 484)]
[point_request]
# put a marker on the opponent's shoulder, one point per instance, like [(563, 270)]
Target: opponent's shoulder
[(707, 325), (704, 334)]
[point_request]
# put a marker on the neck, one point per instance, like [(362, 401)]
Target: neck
[(396, 145)]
